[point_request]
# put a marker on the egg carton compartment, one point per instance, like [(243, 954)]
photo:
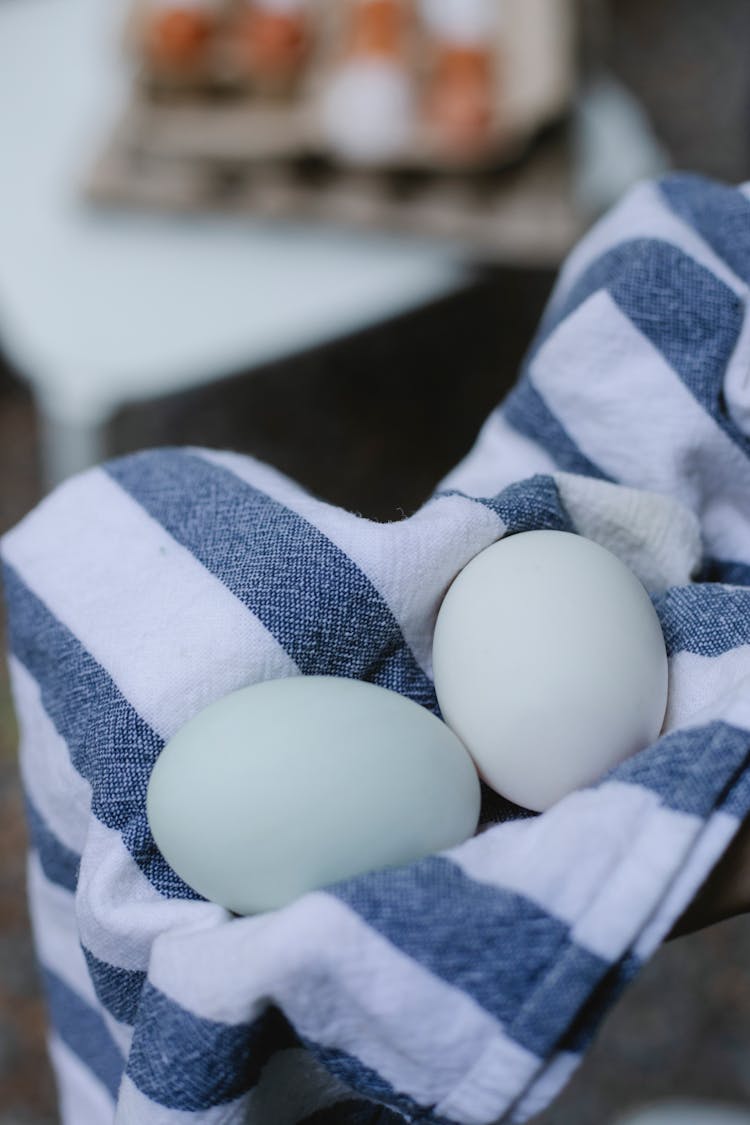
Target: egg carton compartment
[(218, 112), (523, 214), (208, 141)]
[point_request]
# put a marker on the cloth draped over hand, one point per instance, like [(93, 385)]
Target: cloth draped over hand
[(462, 989)]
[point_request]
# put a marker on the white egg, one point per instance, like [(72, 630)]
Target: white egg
[(550, 664), (290, 785), (368, 110), (462, 21)]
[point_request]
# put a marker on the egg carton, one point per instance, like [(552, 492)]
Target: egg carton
[(524, 215), (218, 119)]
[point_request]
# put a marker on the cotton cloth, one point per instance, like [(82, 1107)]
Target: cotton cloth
[(465, 988)]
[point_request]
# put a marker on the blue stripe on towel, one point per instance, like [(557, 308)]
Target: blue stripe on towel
[(119, 990), (527, 412), (59, 863), (187, 1063), (725, 570), (352, 1072), (308, 593), (84, 1032), (705, 619), (511, 942), (720, 214), (109, 743), (737, 801), (533, 504), (184, 1062), (687, 313), (545, 1017), (690, 769)]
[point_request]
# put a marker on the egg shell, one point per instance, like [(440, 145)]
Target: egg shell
[(549, 664), (462, 21), (368, 109), (289, 785)]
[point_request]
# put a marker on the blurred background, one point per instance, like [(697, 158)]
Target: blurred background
[(325, 239)]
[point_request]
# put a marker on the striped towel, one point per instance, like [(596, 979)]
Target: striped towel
[(463, 988)]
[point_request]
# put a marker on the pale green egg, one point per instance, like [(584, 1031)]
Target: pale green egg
[(290, 785)]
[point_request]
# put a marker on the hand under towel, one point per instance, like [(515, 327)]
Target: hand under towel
[(462, 989)]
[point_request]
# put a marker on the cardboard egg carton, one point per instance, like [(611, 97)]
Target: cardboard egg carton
[(200, 147), (526, 216), (220, 118)]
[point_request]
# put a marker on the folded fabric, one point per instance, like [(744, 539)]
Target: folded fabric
[(463, 989)]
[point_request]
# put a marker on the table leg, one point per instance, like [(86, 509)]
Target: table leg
[(69, 445)]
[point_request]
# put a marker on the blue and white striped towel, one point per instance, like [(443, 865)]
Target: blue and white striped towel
[(464, 988)]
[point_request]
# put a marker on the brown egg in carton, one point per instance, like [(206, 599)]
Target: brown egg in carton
[(205, 48), (423, 84)]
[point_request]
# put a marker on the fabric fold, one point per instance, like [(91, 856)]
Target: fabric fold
[(463, 989)]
